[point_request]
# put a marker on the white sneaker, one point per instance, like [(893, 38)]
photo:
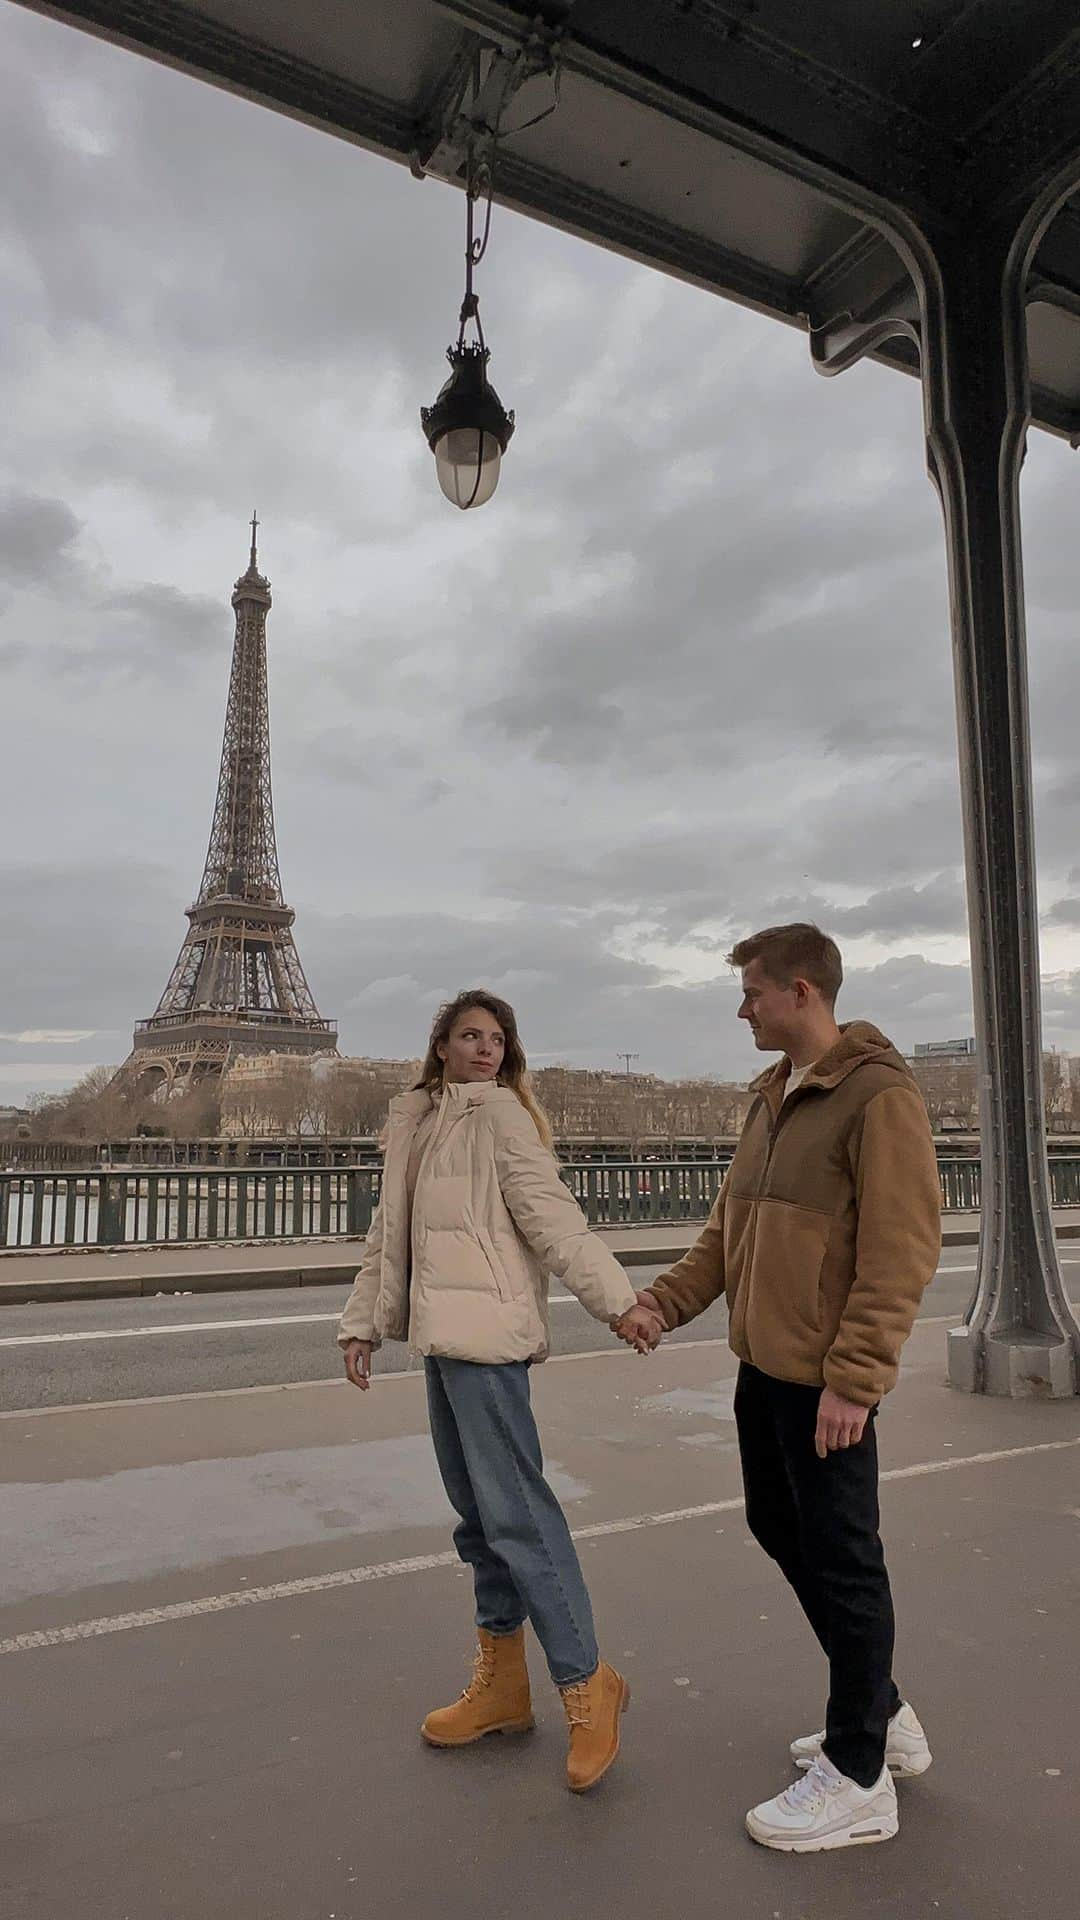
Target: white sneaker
[(825, 1809), (907, 1750)]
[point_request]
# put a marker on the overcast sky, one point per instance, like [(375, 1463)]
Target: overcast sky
[(687, 674)]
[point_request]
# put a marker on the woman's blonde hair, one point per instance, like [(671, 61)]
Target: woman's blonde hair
[(514, 1071)]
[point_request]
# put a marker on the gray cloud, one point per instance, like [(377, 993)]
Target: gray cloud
[(689, 672), (891, 912), (36, 537), (1064, 913), (67, 614), (88, 944), (154, 625)]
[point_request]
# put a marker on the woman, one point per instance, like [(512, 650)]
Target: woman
[(473, 1217)]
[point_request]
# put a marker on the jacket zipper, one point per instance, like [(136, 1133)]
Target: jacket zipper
[(433, 1140), (774, 1129), (424, 1158)]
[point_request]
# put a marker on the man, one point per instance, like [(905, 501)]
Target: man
[(824, 1235)]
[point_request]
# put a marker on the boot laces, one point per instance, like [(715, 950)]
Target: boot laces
[(576, 1702), (483, 1671)]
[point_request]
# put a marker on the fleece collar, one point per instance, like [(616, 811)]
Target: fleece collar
[(859, 1042), (455, 1098)]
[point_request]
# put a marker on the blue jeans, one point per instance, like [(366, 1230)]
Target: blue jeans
[(512, 1531)]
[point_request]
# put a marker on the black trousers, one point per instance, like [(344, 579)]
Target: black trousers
[(818, 1519)]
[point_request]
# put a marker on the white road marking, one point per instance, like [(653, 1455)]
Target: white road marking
[(289, 1386), (197, 1326), (427, 1562), (146, 1333), (616, 1351), (199, 1393), (300, 1320), (281, 1320)]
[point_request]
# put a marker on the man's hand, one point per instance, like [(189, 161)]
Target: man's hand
[(357, 1355), (840, 1423), (640, 1328)]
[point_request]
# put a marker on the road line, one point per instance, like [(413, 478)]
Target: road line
[(380, 1379), (198, 1326), (428, 1562), (199, 1393), (616, 1351), (283, 1320), (147, 1333), (276, 1320)]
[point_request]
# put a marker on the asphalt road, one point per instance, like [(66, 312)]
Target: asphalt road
[(222, 1618), (82, 1352)]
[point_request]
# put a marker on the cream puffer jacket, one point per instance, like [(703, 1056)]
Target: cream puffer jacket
[(491, 1220)]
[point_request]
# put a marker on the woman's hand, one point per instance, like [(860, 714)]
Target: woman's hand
[(358, 1362)]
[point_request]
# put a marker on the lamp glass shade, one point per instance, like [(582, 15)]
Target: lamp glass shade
[(467, 461)]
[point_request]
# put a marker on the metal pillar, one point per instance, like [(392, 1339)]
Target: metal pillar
[(1020, 1337)]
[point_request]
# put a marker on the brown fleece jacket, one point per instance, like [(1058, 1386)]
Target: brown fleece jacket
[(828, 1224)]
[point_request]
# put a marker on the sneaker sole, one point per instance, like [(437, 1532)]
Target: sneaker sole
[(504, 1726), (586, 1786), (885, 1829), (900, 1768)]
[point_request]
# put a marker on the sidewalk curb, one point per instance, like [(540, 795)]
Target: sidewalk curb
[(274, 1279), (968, 1236)]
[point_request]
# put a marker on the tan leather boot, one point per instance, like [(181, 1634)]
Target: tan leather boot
[(594, 1709), (496, 1700)]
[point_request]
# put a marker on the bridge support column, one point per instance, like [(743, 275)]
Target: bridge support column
[(1020, 1336)]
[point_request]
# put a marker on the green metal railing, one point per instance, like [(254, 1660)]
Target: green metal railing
[(133, 1207)]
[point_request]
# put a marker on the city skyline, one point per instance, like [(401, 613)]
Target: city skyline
[(689, 672)]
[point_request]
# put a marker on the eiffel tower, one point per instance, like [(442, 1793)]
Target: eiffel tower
[(238, 986)]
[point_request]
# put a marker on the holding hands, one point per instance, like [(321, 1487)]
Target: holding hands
[(640, 1326)]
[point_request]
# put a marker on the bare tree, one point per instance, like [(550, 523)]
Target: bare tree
[(286, 1097), (1057, 1091), (195, 1112), (950, 1090)]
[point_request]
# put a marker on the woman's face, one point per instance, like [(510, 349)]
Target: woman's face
[(475, 1048)]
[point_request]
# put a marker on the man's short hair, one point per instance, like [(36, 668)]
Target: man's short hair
[(797, 952)]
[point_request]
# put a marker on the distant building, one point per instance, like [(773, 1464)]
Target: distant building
[(946, 1072), (945, 1050)]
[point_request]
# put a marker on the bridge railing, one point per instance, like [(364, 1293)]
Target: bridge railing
[(134, 1207)]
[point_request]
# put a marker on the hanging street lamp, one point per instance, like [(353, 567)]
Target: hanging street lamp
[(468, 429)]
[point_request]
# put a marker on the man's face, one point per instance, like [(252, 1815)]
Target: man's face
[(772, 1012)]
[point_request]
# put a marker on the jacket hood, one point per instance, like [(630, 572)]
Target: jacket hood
[(859, 1043)]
